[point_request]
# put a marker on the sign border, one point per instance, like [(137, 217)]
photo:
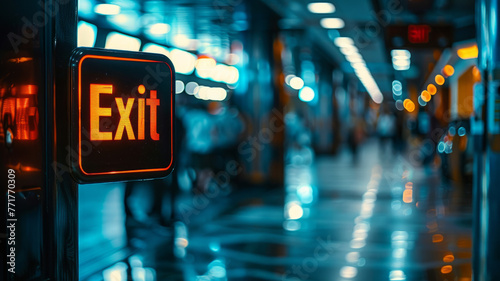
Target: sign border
[(79, 56)]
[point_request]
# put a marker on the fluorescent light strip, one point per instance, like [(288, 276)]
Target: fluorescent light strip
[(321, 8), (357, 62)]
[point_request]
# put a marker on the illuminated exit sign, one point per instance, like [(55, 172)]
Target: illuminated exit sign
[(122, 115), (418, 34)]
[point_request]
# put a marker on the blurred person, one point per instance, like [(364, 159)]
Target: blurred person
[(386, 124), (356, 135)]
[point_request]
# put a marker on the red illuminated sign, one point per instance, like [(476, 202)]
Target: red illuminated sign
[(123, 112), (418, 34)]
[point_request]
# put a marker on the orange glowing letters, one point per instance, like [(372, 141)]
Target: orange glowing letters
[(125, 110)]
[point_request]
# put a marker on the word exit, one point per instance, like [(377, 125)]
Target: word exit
[(124, 109)]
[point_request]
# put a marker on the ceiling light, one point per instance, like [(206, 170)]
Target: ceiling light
[(159, 28), (349, 50), (86, 34), (154, 48), (468, 52), (297, 83), (107, 9), (332, 23), (119, 41), (400, 52), (321, 8), (343, 42), (306, 94)]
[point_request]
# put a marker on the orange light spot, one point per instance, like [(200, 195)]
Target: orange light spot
[(436, 238), (409, 185), (431, 89), (408, 196), (439, 79), (426, 96), (141, 89), (96, 111), (448, 70), (448, 258), (468, 52), (476, 72), (446, 269), (409, 105)]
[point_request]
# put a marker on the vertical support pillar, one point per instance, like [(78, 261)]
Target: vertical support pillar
[(37, 40), (487, 155), (261, 151)]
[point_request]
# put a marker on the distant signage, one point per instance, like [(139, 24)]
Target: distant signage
[(122, 115), (419, 36)]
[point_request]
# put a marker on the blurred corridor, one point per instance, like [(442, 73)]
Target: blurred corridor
[(312, 140), (379, 219)]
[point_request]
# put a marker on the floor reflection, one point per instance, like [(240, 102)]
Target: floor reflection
[(373, 220)]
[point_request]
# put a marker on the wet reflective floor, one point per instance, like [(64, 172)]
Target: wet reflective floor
[(380, 218)]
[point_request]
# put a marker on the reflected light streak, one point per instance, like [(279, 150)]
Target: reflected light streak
[(352, 257), (294, 211), (397, 275), (448, 258), (348, 272), (437, 238), (446, 269), (408, 196)]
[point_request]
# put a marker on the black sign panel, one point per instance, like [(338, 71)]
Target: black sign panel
[(419, 36), (122, 115)]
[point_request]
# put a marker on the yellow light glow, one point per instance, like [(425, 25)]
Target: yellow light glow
[(448, 70), (431, 89), (468, 52), (141, 89), (439, 79), (426, 96)]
